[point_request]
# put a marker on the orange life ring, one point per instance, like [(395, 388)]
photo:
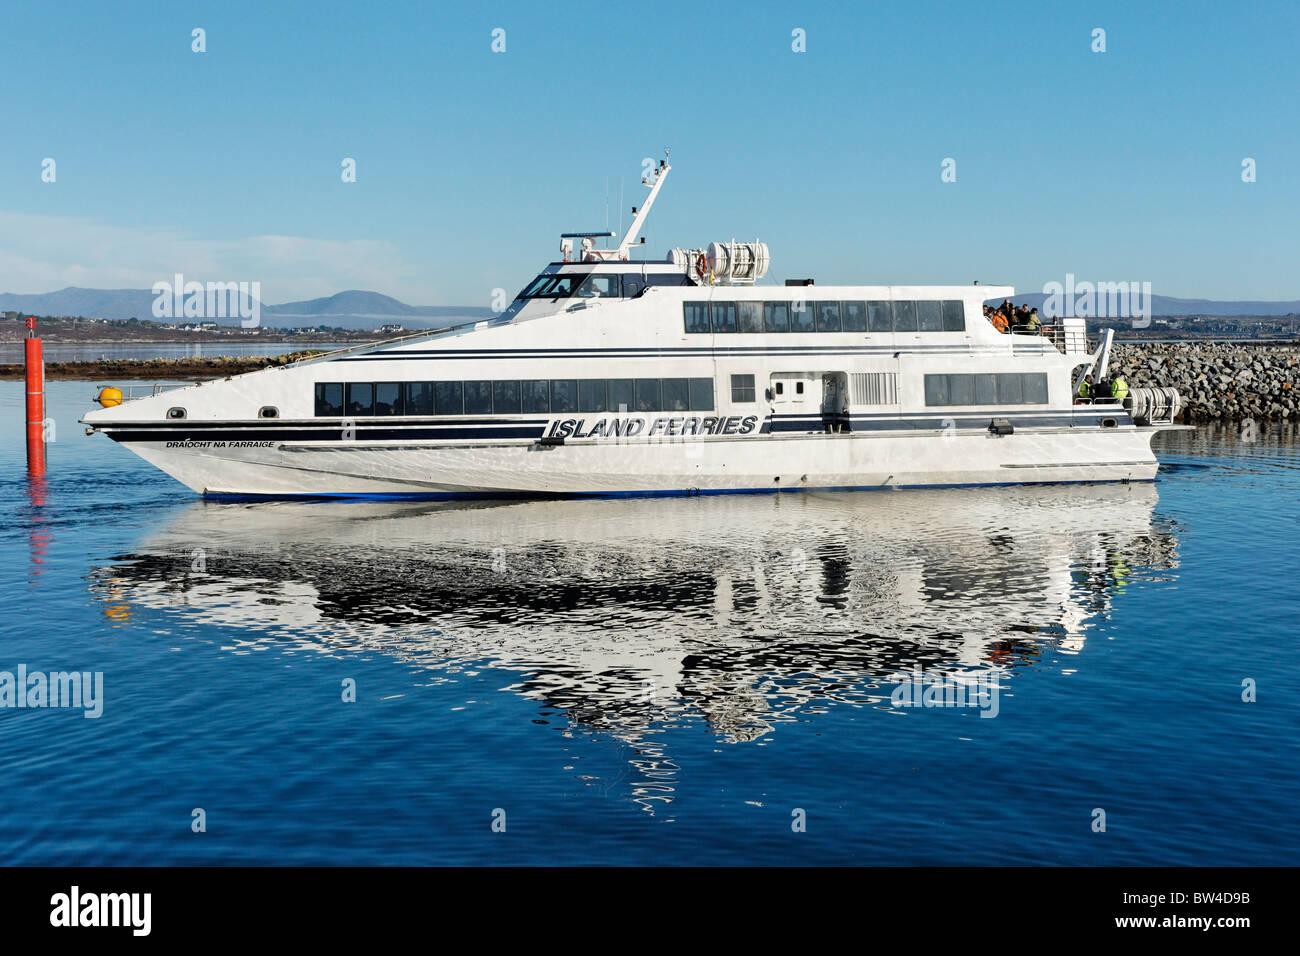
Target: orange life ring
[(701, 265)]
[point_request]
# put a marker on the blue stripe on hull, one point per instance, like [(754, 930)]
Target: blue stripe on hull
[(675, 493)]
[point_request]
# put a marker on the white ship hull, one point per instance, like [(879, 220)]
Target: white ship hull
[(608, 376), (772, 463)]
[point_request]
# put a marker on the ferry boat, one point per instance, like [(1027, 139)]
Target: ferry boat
[(609, 375)]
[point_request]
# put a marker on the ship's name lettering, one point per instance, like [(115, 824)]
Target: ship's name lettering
[(664, 426), (220, 444)]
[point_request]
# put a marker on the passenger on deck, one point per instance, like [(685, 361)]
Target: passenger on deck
[(1085, 390)]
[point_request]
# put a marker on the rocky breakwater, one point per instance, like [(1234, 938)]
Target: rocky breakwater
[(1218, 380), (148, 370)]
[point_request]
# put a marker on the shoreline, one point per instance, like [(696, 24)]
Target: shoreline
[(1217, 380)]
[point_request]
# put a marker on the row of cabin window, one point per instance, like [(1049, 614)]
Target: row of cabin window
[(1010, 388), (948, 315), (515, 397)]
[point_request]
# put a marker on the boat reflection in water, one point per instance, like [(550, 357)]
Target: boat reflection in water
[(637, 615)]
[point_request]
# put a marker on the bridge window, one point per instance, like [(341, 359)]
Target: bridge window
[(633, 285), (602, 285), (553, 286)]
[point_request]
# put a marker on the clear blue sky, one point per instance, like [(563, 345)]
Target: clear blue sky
[(1123, 165)]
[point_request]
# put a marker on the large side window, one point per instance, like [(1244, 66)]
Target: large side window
[(696, 315), (854, 316), (448, 398), (986, 389), (776, 316), (1009, 391), (936, 390), (742, 389), (478, 398), (647, 395), (750, 315), (564, 395), (419, 398), (621, 395), (1034, 388), (961, 389), (676, 392), (505, 398), (537, 396), (329, 398), (954, 315), (701, 394), (591, 395), (361, 398), (389, 399)]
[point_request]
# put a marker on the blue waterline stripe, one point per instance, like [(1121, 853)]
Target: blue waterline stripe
[(673, 493)]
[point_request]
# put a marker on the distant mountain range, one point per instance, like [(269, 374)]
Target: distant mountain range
[(1168, 305), (356, 309), (352, 309)]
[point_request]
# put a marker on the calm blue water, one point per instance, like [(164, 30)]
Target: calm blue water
[(658, 681)]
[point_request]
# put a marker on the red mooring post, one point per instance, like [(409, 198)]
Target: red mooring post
[(35, 402)]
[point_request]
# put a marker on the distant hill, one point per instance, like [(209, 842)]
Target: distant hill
[(1168, 305), (353, 309)]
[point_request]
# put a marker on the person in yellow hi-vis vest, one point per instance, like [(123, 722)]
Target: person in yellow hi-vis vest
[(1085, 390), (1118, 388)]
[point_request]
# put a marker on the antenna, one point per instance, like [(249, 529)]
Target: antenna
[(660, 173)]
